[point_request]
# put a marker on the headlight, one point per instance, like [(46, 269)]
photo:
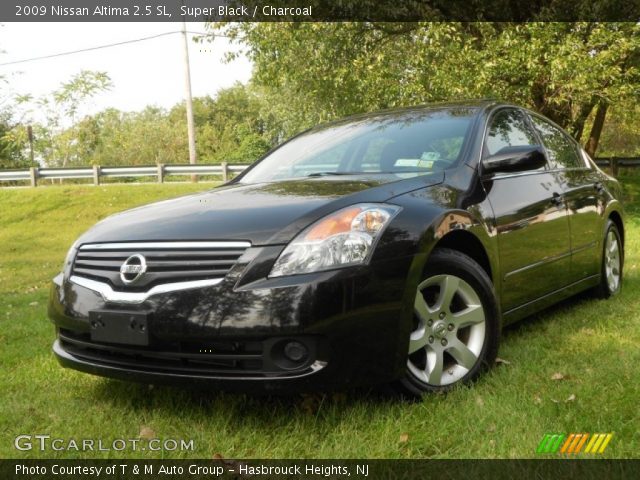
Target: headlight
[(346, 237)]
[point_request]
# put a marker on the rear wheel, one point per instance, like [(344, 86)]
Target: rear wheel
[(611, 264), (456, 324)]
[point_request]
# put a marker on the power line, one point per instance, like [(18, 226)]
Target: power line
[(98, 47)]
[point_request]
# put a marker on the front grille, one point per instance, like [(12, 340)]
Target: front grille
[(232, 358), (167, 262)]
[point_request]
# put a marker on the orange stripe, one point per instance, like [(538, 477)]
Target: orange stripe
[(567, 443), (582, 441), (574, 444)]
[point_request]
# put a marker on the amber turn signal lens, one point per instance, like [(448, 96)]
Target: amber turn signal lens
[(339, 222)]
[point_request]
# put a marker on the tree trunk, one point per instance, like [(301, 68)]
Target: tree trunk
[(577, 126), (598, 122)]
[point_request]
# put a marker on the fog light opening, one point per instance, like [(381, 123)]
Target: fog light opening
[(296, 352)]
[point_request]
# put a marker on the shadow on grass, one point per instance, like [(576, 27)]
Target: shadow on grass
[(260, 410), (573, 304)]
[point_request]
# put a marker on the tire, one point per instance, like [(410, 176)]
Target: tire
[(611, 263), (455, 339)]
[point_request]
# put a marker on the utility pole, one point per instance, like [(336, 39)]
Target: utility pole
[(30, 135), (188, 100)]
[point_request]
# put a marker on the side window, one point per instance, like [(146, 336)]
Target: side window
[(560, 148), (508, 128)]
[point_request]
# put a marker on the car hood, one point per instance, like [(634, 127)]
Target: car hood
[(263, 214)]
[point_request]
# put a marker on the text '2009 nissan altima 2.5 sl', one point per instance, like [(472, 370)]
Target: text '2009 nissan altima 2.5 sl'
[(388, 247)]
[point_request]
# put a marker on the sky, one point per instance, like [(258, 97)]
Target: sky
[(144, 73)]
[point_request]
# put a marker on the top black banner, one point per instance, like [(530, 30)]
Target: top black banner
[(318, 10)]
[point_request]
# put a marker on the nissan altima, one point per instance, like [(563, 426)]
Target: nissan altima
[(386, 248)]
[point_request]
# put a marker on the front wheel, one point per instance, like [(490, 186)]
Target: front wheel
[(456, 326)]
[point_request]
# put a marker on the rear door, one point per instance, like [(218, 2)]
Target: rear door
[(531, 220), (581, 189)]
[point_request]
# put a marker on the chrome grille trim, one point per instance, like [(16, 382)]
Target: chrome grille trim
[(170, 262), (110, 295), (143, 245)]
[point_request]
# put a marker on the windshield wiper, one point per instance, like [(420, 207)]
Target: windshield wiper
[(329, 174)]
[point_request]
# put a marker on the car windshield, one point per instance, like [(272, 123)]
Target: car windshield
[(404, 143)]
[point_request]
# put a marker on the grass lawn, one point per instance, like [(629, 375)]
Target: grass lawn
[(591, 345)]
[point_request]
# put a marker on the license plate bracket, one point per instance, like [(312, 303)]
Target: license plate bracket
[(117, 326)]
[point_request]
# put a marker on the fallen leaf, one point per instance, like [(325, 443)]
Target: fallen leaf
[(404, 438), (147, 433), (571, 398), (480, 401), (33, 304), (217, 456), (537, 399), (557, 376), (503, 361), (554, 400)]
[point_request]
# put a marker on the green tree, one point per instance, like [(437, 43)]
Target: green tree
[(229, 127), (570, 72), (13, 142), (56, 138)]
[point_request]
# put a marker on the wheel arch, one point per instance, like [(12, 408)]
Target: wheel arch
[(616, 217), (459, 230), (467, 243)]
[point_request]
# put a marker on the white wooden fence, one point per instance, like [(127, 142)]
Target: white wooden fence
[(95, 172)]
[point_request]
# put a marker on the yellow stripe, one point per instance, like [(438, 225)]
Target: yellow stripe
[(605, 443), (598, 442), (584, 439), (567, 443), (590, 444)]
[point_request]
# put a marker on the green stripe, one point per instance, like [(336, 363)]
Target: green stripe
[(550, 443), (542, 447), (558, 443)]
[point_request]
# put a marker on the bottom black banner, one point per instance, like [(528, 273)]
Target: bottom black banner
[(316, 469)]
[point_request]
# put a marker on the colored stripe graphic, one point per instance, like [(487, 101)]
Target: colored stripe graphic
[(567, 444), (574, 443), (598, 443), (550, 443), (581, 443)]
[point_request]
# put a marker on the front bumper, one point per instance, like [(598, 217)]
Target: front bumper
[(355, 323)]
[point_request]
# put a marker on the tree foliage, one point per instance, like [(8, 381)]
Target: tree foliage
[(228, 128), (313, 72), (13, 142), (56, 138)]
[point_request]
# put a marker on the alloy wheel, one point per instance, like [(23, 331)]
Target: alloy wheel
[(612, 261), (450, 330)]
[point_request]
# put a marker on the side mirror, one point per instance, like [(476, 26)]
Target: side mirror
[(515, 159)]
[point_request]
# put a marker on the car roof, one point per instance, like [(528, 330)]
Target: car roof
[(478, 105)]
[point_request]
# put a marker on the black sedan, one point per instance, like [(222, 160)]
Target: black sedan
[(390, 247)]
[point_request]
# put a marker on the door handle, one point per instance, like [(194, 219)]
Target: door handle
[(557, 199), (599, 187)]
